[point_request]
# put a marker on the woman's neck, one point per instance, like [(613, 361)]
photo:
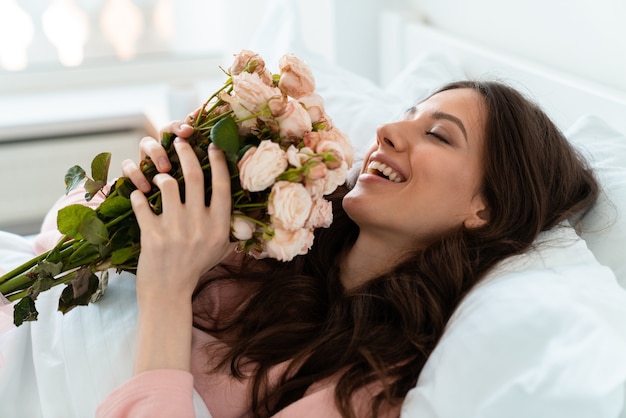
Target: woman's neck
[(368, 258)]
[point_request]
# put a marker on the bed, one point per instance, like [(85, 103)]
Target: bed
[(518, 346)]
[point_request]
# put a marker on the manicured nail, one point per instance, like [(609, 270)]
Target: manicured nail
[(144, 185), (164, 164)]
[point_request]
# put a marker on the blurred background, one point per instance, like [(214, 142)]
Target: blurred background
[(78, 77)]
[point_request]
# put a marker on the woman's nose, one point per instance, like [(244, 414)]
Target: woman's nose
[(390, 135)]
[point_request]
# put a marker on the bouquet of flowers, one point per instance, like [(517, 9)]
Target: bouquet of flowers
[(284, 156)]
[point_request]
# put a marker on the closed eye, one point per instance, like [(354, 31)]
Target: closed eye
[(439, 137)]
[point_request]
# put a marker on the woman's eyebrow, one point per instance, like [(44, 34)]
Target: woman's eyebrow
[(440, 115), (451, 118)]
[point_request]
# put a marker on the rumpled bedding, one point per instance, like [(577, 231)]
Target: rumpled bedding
[(544, 335)]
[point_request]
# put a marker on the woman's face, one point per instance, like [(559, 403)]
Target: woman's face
[(423, 174)]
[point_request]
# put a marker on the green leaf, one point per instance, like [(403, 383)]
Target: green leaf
[(79, 290), (104, 249), (114, 206), (92, 188), (100, 167), (50, 269), (71, 217), (225, 135), (120, 256), (73, 177), (93, 230), (124, 187), (243, 151), (41, 285), (24, 310)]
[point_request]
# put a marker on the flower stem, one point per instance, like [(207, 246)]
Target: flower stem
[(23, 281)]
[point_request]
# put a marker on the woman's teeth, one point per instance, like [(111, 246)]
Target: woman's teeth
[(378, 168)]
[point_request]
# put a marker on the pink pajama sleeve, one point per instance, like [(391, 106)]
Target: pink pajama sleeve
[(155, 393)]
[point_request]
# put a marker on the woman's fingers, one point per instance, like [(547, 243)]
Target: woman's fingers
[(170, 193), (141, 208), (150, 147), (220, 196), (178, 128), (192, 172), (131, 170)]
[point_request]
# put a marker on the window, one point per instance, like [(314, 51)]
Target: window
[(78, 37)]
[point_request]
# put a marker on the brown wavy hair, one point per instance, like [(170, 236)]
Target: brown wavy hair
[(385, 330)]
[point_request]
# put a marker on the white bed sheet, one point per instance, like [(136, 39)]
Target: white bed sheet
[(543, 336)]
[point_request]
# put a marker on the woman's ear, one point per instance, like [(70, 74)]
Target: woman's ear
[(479, 216)]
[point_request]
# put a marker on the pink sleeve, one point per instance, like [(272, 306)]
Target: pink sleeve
[(156, 393), (49, 235)]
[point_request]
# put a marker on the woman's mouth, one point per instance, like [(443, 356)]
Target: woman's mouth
[(383, 170)]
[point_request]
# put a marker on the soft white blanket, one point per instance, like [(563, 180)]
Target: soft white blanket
[(543, 336)]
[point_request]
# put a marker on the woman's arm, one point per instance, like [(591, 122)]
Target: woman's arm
[(184, 241), (179, 245)]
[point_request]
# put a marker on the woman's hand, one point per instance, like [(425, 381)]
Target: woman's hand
[(186, 239), (177, 246), (151, 147)]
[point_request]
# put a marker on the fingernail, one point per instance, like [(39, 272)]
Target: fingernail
[(144, 185), (164, 164), (185, 126)]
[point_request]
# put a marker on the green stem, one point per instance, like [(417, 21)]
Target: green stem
[(208, 124), (23, 268), (23, 281), (17, 271), (260, 205), (65, 279), (256, 221)]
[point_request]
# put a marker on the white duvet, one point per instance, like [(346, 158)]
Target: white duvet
[(543, 336)]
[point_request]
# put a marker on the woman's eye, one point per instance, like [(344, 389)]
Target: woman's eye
[(439, 137)]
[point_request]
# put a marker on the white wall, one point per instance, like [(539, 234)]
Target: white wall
[(582, 37)]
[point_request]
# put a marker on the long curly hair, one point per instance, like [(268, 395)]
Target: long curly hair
[(381, 334)]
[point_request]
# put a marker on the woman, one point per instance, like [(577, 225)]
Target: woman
[(469, 177)]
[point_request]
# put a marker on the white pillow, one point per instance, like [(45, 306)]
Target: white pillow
[(604, 228), (543, 336)]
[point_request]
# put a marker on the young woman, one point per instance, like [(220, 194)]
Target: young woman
[(470, 176)]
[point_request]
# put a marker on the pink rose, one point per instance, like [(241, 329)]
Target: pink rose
[(298, 157), (289, 205), (308, 242), (246, 60), (321, 215), (311, 139), (294, 121), (241, 113), (315, 169), (296, 78), (252, 93), (316, 187), (285, 245), (251, 62), (335, 140), (242, 228), (334, 178), (260, 166), (314, 104)]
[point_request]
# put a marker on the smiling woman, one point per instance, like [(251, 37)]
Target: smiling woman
[(435, 155), (425, 222)]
